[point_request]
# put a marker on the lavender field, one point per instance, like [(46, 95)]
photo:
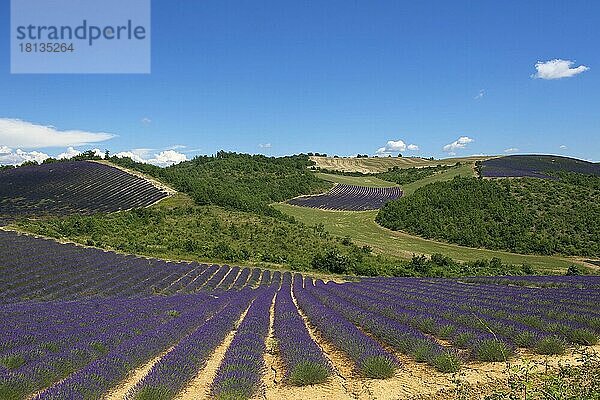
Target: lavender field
[(82, 323), (72, 187), (350, 198)]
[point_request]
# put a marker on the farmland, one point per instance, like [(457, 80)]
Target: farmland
[(111, 317), (117, 323), (536, 166), (72, 187), (369, 165), (348, 197)]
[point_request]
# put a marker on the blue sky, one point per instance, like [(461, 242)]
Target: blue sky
[(340, 77)]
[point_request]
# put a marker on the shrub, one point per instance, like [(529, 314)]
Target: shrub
[(583, 336), (308, 373), (446, 362), (550, 345), (378, 367), (526, 339), (492, 350)]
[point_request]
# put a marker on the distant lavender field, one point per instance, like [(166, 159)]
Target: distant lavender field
[(72, 187), (536, 166), (350, 198)]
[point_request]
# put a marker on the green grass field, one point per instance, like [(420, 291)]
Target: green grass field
[(362, 229)]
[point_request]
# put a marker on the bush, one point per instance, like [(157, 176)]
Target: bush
[(333, 262), (492, 350), (308, 373), (446, 362), (583, 336), (550, 345), (574, 270), (378, 367), (526, 339)]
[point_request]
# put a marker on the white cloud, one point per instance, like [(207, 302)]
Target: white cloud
[(18, 133), (146, 121), (71, 152), (556, 69), (176, 147), (511, 150), (162, 159), (18, 157), (562, 147), (167, 157), (396, 146), (459, 143), (265, 145), (479, 95)]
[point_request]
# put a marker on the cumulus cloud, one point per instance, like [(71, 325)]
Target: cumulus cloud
[(479, 95), (23, 134), (396, 146), (167, 157), (511, 150), (162, 159), (557, 69), (146, 121), (458, 144), (265, 145), (562, 147), (9, 156), (72, 152)]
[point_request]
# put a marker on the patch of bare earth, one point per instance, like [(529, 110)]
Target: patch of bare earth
[(120, 391), (343, 384), (199, 387)]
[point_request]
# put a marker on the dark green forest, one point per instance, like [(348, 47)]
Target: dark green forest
[(525, 215), (237, 181)]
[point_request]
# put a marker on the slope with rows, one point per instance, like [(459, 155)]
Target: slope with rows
[(77, 321), (536, 166), (350, 198), (72, 187)]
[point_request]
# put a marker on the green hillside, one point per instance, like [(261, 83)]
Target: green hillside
[(237, 181), (538, 216)]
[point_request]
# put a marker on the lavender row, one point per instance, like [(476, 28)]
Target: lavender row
[(100, 375), (171, 374), (43, 270), (73, 187), (571, 322), (239, 375), (508, 302), (370, 357), (303, 359), (48, 354), (401, 337), (546, 336)]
